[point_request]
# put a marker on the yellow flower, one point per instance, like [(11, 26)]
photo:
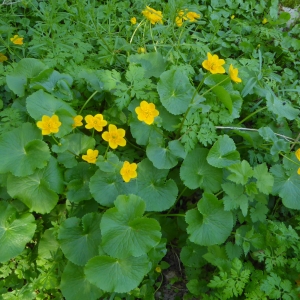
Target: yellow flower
[(17, 40), (158, 269), (154, 16), (180, 18), (3, 57), (233, 73), (49, 125), (298, 171), (297, 153), (264, 21), (96, 122), (146, 112), (133, 20), (141, 50), (192, 16), (214, 64), (114, 136), (91, 156), (128, 171), (232, 17), (77, 121)]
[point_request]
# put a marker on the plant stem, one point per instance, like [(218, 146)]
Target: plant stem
[(56, 141), (106, 151), (87, 101), (252, 114)]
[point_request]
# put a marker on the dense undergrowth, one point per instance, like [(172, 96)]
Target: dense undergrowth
[(129, 129)]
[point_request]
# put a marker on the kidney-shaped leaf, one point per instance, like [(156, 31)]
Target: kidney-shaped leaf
[(15, 231), (22, 151), (125, 232), (75, 286), (116, 275), (210, 224), (80, 240)]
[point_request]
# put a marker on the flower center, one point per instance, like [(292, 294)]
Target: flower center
[(114, 135)]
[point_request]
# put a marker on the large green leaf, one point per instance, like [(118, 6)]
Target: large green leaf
[(240, 172), (223, 153), (80, 239), (15, 231), (195, 172), (125, 232), (175, 91), (22, 150), (25, 69), (39, 190), (287, 187), (158, 193), (48, 244), (209, 224), (224, 97), (115, 274), (41, 103), (75, 286)]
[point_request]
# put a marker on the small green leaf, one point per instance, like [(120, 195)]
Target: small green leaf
[(125, 232), (195, 172), (265, 180), (116, 275), (210, 224), (191, 255), (22, 151), (233, 250), (15, 231), (224, 97), (240, 172), (80, 239), (48, 244), (75, 286), (223, 153)]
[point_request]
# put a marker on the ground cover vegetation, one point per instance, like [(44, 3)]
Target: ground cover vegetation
[(130, 130)]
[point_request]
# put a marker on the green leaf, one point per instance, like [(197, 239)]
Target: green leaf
[(220, 80), (265, 180), (75, 286), (39, 190), (224, 97), (210, 224), (78, 182), (175, 91), (116, 275), (287, 187), (151, 185), (80, 239), (233, 250), (25, 69), (125, 232), (177, 148), (241, 172), (41, 103), (195, 172), (153, 63), (22, 151), (259, 212), (48, 244), (15, 231), (223, 153), (191, 255)]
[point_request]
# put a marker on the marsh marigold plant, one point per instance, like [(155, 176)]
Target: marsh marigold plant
[(214, 64), (154, 16), (146, 112), (49, 124), (114, 136), (128, 171), (91, 156), (97, 122)]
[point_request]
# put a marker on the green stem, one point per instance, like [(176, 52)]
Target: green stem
[(105, 154), (295, 142), (139, 25), (134, 146), (87, 101), (93, 132), (56, 141), (177, 199), (254, 113), (289, 159), (152, 37)]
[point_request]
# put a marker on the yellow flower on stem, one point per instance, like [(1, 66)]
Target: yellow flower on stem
[(114, 136), (232, 17), (154, 16), (77, 121), (128, 171), (158, 269), (213, 64), (297, 153), (146, 112), (141, 50), (96, 122), (133, 20), (91, 156), (49, 124), (233, 73), (192, 16), (17, 40), (3, 57), (264, 21)]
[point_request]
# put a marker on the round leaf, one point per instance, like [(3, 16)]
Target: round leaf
[(116, 275), (15, 231), (125, 232), (80, 241), (75, 286), (22, 151), (209, 224)]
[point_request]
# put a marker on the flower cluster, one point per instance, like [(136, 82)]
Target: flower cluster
[(184, 15), (297, 153), (215, 66), (17, 40), (154, 16)]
